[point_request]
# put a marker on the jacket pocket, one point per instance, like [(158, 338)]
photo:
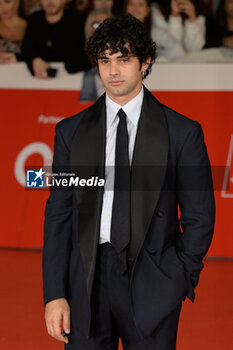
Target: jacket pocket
[(168, 263)]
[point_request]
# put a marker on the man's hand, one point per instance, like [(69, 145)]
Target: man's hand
[(40, 68), (7, 58), (57, 317)]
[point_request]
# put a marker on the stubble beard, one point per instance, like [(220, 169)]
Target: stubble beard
[(119, 91)]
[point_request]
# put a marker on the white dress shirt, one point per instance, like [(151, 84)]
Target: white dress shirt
[(132, 110)]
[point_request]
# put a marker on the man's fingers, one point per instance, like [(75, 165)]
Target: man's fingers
[(59, 335), (48, 328), (55, 330), (51, 326), (66, 321)]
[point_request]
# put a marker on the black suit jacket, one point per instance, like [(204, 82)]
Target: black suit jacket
[(170, 167)]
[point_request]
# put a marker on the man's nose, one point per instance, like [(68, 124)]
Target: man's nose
[(114, 68)]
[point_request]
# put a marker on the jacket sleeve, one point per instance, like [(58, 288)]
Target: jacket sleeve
[(57, 228), (197, 206)]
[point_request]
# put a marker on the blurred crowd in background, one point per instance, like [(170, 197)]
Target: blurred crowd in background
[(43, 31)]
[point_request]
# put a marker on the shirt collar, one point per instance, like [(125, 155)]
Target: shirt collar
[(132, 109)]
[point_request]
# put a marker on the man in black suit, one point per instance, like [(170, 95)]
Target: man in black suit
[(118, 260)]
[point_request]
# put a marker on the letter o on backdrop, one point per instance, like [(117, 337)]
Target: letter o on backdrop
[(36, 147)]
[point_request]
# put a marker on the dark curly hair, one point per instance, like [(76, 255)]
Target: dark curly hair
[(115, 33)]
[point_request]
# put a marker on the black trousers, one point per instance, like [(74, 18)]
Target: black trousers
[(112, 316)]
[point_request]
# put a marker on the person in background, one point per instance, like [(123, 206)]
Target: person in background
[(225, 22), (178, 27), (92, 87), (93, 21), (141, 9), (30, 6), (103, 5), (54, 34), (12, 30), (81, 6)]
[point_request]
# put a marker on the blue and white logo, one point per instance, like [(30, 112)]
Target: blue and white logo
[(35, 178)]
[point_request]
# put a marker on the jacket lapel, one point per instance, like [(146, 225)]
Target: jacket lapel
[(87, 158), (148, 169)]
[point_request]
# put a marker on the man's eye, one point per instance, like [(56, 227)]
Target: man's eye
[(104, 62), (125, 60)]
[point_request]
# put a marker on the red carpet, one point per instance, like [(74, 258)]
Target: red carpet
[(205, 325)]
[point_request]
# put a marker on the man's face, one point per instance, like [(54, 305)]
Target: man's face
[(103, 5), (121, 75), (53, 7)]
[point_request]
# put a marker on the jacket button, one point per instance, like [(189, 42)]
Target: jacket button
[(160, 214), (152, 251)]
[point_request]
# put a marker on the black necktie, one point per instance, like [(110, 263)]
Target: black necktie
[(120, 226)]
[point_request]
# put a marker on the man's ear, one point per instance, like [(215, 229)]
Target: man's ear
[(146, 64)]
